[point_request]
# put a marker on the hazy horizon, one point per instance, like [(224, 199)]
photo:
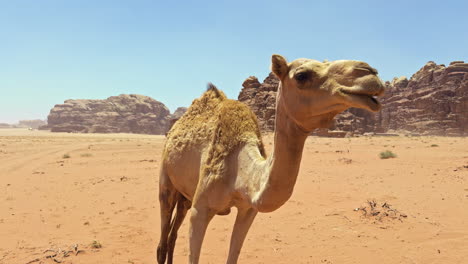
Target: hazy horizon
[(57, 50)]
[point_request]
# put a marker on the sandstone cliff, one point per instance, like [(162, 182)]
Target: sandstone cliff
[(116, 114), (261, 97), (434, 101)]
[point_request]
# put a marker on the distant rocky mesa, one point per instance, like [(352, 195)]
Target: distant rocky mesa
[(434, 101), (126, 113), (36, 123)]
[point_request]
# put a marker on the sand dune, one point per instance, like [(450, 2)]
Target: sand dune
[(61, 192)]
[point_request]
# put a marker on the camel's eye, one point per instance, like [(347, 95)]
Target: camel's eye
[(366, 70), (301, 76)]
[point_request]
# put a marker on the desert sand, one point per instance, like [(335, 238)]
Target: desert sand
[(93, 198)]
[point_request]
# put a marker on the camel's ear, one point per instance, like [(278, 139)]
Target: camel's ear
[(279, 66)]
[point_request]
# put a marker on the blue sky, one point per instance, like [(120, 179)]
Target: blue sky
[(51, 51)]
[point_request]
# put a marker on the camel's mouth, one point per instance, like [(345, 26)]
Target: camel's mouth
[(362, 99)]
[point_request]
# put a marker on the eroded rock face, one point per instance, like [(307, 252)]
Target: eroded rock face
[(261, 97), (176, 116), (434, 101), (179, 112), (126, 113)]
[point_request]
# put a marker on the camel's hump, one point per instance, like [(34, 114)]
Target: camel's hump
[(213, 118)]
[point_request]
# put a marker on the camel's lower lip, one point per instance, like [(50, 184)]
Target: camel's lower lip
[(370, 101), (367, 101)]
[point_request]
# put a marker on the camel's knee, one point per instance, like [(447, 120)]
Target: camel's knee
[(167, 196)]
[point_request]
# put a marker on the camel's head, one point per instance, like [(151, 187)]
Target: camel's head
[(313, 92)]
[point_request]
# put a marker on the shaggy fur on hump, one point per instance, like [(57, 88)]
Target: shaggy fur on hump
[(222, 123)]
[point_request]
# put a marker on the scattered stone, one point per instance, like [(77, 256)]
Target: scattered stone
[(123, 178), (345, 160)]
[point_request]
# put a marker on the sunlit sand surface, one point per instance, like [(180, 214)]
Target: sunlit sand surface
[(59, 193)]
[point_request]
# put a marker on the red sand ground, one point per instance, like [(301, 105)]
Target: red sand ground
[(106, 191)]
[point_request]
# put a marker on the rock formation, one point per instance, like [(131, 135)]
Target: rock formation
[(175, 116), (179, 112), (434, 101), (31, 123), (25, 124), (116, 114), (261, 97)]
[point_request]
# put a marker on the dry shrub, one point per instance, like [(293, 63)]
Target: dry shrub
[(380, 212), (387, 155)]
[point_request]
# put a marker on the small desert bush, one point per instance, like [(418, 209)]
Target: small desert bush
[(86, 155), (434, 145), (66, 156), (387, 154), (96, 244)]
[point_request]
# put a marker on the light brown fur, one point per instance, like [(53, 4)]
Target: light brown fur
[(231, 125), (214, 157)]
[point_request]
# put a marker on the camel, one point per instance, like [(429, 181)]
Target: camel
[(214, 158)]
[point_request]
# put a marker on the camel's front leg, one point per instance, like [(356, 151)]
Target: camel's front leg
[(199, 220), (243, 222)]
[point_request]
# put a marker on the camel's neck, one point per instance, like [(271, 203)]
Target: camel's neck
[(283, 165)]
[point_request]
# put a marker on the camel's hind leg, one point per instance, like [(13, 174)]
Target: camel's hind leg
[(167, 200), (183, 205)]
